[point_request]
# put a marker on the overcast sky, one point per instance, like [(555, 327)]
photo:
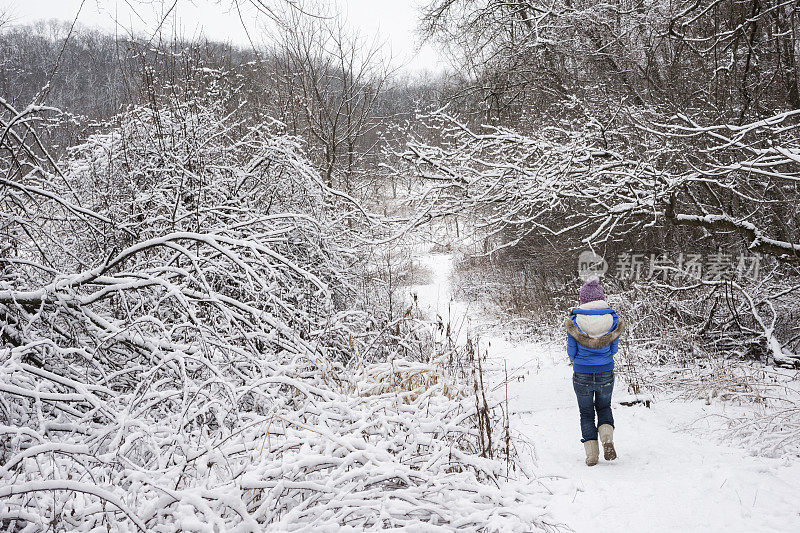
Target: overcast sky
[(393, 21)]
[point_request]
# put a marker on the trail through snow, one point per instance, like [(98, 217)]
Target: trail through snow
[(665, 479)]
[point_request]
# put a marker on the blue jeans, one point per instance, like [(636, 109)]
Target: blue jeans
[(594, 394)]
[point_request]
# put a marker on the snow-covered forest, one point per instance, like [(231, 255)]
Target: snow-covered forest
[(294, 286)]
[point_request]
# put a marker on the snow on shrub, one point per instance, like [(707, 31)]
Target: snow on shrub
[(182, 360)]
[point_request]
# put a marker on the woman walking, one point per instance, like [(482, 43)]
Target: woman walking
[(593, 331)]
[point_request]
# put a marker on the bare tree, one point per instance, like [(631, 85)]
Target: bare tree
[(332, 79), (748, 49), (724, 58)]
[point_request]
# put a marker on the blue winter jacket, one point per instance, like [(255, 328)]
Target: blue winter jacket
[(592, 360)]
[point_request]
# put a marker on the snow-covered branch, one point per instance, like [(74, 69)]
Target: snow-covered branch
[(189, 353), (551, 181)]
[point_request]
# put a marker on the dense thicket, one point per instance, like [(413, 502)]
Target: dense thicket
[(724, 58), (652, 129), (196, 328)]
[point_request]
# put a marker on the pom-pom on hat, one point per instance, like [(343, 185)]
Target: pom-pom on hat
[(591, 290)]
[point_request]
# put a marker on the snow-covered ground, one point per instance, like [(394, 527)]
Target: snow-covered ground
[(666, 478)]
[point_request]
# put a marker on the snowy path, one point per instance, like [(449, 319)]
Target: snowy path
[(664, 480)]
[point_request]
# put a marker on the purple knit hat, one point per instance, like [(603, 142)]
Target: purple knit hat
[(591, 290)]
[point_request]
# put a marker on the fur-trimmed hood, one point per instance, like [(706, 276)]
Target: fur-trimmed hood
[(594, 324), (594, 342)]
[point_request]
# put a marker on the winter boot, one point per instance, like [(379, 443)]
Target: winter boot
[(606, 432), (592, 452)]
